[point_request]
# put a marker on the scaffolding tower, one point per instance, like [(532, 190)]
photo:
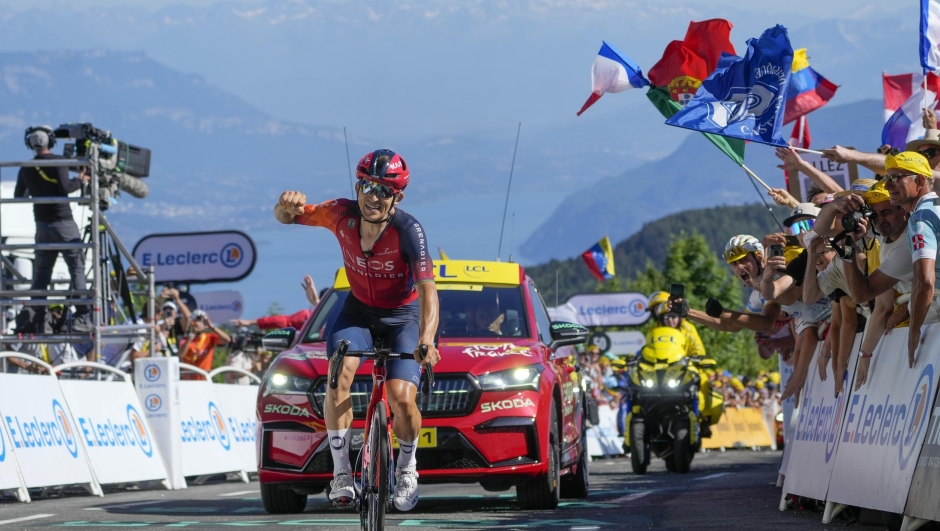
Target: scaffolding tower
[(100, 296)]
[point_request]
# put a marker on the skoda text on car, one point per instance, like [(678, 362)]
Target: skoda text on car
[(505, 410)]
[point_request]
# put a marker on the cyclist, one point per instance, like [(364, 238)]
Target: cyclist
[(393, 298)]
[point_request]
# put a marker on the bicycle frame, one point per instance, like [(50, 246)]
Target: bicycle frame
[(379, 395)]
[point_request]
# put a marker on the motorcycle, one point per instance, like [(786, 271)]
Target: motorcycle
[(664, 398)]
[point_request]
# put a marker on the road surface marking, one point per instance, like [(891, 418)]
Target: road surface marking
[(240, 493), (26, 518), (631, 497), (713, 476)]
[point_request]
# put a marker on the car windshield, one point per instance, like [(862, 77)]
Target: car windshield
[(467, 311)]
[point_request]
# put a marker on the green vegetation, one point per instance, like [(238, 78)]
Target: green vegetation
[(683, 248), (650, 244)]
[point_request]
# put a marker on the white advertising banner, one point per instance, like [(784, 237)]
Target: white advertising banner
[(818, 425), (196, 257), (885, 424), (222, 306), (789, 405), (239, 405), (9, 473), (208, 446), (610, 309), (157, 381), (114, 432), (44, 437)]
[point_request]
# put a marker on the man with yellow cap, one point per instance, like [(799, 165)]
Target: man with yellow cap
[(889, 266), (909, 180)]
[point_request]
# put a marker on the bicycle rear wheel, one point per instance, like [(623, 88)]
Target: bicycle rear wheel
[(375, 477)]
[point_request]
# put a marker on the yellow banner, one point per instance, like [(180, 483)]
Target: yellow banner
[(743, 427)]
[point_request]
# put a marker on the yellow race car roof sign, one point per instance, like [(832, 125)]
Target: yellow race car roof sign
[(461, 272)]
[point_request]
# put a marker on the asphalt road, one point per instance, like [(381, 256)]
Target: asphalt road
[(732, 490)]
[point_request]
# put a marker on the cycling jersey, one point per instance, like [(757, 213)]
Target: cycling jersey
[(384, 278)]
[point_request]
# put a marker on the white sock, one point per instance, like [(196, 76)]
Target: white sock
[(339, 449), (406, 454)]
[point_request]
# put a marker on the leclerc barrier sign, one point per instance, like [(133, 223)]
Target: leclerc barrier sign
[(42, 434), (222, 306), (113, 430), (197, 257), (925, 487), (208, 445), (610, 309), (10, 478), (238, 405), (886, 423), (818, 425)]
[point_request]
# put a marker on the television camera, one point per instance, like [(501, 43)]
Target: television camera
[(120, 165)]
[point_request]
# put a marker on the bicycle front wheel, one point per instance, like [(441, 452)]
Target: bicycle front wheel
[(375, 482)]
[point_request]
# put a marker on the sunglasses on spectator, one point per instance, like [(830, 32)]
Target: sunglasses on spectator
[(801, 226), (929, 152), (380, 190), (168, 312), (896, 178)]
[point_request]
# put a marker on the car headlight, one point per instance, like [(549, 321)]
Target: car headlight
[(648, 383), (517, 378), (287, 384)]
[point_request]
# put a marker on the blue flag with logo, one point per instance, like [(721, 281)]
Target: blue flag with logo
[(745, 97)]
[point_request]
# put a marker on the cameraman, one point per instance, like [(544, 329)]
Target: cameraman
[(54, 223)]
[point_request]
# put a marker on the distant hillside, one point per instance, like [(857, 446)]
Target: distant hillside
[(650, 243), (695, 175)]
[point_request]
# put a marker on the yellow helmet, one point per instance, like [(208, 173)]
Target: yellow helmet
[(657, 298), (619, 362), (774, 377), (737, 385)]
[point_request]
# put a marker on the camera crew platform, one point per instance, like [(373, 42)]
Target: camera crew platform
[(113, 317)]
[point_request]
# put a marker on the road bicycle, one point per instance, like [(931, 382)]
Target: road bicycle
[(375, 466)]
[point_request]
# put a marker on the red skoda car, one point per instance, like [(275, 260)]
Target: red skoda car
[(506, 409)]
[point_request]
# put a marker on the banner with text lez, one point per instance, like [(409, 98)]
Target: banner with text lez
[(610, 309), (814, 444), (43, 435), (113, 430), (885, 424), (196, 257)]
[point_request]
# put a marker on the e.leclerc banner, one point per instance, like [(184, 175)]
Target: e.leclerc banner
[(886, 423), (197, 257), (610, 309), (813, 446)]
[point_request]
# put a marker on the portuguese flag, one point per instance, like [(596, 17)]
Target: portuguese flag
[(679, 73)]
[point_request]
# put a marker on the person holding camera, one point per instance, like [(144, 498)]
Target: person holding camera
[(54, 223), (200, 344), (889, 266)]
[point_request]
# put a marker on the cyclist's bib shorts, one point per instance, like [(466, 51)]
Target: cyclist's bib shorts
[(398, 328)]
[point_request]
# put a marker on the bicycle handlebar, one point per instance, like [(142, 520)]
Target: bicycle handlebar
[(427, 375)]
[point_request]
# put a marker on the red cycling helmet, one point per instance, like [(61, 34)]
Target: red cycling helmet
[(392, 173)]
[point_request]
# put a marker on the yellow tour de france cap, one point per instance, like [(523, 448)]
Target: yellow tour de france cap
[(858, 187), (910, 161), (877, 194)]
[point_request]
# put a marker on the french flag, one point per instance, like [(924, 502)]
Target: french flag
[(613, 72), (906, 122), (930, 35)]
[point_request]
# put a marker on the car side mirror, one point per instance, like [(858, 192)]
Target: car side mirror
[(564, 334), (279, 340)]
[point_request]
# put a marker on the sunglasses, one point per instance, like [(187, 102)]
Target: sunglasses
[(929, 153), (896, 178), (380, 190), (801, 226)]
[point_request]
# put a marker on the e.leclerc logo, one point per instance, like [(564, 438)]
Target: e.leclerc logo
[(139, 429), (891, 423), (820, 421), (152, 373), (211, 429), (637, 308), (43, 433), (153, 403), (231, 255)]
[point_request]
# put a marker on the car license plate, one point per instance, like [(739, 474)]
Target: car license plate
[(427, 439)]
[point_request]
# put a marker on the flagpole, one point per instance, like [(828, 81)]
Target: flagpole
[(508, 188), (770, 209), (806, 150), (802, 127)]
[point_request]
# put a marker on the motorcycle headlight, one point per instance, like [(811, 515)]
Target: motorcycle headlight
[(287, 384), (648, 383), (673, 383), (521, 377)]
